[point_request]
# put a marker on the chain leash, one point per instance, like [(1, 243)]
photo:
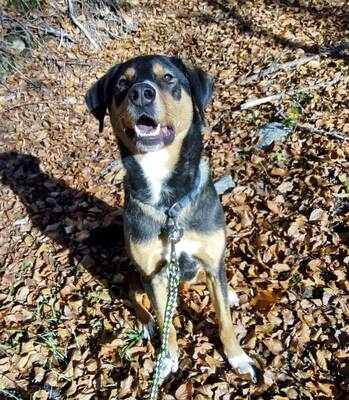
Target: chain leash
[(175, 234)]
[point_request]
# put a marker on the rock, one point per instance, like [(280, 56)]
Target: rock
[(224, 184), (15, 43), (114, 166), (270, 133)]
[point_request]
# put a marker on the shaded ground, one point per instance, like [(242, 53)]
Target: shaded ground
[(65, 318)]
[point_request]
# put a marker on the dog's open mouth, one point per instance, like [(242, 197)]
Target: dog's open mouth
[(148, 132)]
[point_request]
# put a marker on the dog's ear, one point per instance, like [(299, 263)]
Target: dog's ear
[(201, 85), (99, 95)]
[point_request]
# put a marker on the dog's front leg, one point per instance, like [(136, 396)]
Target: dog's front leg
[(217, 285), (157, 289)]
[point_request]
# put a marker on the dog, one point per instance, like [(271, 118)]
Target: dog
[(156, 106)]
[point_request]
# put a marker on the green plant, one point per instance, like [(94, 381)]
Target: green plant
[(346, 186), (27, 264), (292, 118), (252, 118), (295, 280), (133, 336), (41, 302), (280, 156), (49, 339)]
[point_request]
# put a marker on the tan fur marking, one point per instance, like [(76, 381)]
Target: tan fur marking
[(158, 70), (136, 295), (147, 256), (120, 121), (160, 292), (130, 73), (177, 113), (211, 247), (226, 328)]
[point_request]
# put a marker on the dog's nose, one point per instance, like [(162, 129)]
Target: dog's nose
[(141, 94)]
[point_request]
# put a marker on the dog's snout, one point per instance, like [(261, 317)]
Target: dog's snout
[(141, 94)]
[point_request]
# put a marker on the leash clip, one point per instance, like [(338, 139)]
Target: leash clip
[(174, 231)]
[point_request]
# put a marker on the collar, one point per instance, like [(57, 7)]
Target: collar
[(182, 203)]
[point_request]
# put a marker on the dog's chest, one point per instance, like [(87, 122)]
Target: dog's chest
[(155, 170)]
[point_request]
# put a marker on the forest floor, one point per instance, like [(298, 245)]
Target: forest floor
[(67, 327)]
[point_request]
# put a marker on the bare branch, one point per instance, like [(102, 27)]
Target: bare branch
[(30, 103), (80, 25), (292, 64), (256, 102), (335, 134)]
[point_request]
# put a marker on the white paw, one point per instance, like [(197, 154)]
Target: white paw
[(233, 298), (245, 365), (149, 330), (169, 365)]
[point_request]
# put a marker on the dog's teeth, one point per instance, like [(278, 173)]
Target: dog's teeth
[(138, 131), (154, 132)]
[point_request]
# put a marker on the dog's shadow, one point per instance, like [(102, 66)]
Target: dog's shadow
[(78, 221)]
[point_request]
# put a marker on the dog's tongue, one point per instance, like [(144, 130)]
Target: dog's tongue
[(145, 125)]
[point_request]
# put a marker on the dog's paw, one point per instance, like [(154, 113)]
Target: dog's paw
[(169, 366), (245, 365), (149, 330), (233, 298)]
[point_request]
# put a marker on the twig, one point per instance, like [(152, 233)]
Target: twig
[(335, 134), (80, 25), (291, 64), (256, 102), (51, 30), (312, 128), (13, 66), (29, 103)]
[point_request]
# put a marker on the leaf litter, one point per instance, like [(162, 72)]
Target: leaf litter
[(67, 327)]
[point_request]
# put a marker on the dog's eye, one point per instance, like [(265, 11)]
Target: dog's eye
[(168, 78), (123, 83)]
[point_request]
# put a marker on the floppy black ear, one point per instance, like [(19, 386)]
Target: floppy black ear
[(201, 85), (99, 95)]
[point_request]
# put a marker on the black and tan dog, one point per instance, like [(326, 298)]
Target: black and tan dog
[(156, 106)]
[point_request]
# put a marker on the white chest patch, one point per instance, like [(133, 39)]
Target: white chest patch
[(189, 247), (155, 170)]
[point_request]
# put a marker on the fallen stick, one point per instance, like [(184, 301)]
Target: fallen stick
[(311, 128), (291, 64), (256, 102), (30, 103), (80, 25)]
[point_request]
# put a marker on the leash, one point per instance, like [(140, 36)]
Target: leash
[(175, 233)]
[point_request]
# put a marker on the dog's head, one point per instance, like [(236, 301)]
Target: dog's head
[(151, 100)]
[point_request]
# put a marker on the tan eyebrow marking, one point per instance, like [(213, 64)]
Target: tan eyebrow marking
[(158, 70), (130, 73)]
